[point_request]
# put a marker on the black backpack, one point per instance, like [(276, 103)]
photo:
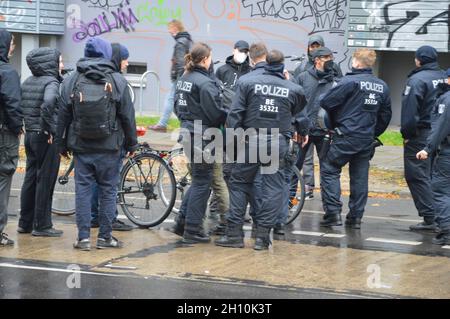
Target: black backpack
[(94, 109)]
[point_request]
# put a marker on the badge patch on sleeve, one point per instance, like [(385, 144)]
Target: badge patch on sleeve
[(441, 108), (407, 89)]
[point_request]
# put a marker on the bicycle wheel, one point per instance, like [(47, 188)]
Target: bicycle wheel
[(64, 194), (180, 168), (141, 181), (297, 194)]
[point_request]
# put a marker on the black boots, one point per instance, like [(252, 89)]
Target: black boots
[(234, 237), (262, 238), (178, 228), (279, 230), (194, 234), (428, 224), (331, 220), (354, 223), (443, 238)]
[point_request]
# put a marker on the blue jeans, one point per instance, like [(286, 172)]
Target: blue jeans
[(94, 199), (168, 106), (100, 168)]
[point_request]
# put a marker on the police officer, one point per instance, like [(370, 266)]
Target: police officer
[(360, 110), (197, 99), (439, 140), (264, 106), (417, 102)]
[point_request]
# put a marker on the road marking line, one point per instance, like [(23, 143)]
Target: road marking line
[(366, 216), (334, 235), (394, 241), (307, 233), (446, 247), (120, 267), (7, 265)]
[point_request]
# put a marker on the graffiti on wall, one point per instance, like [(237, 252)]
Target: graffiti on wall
[(328, 15), (159, 14), (394, 24), (120, 17)]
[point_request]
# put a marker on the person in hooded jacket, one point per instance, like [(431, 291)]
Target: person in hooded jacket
[(183, 43), (235, 66), (40, 93), (120, 55), (11, 121), (96, 160), (418, 99), (315, 42)]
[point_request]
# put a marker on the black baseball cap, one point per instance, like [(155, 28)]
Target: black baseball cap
[(322, 51), (241, 45)]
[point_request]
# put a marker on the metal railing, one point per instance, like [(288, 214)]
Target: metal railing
[(141, 90)]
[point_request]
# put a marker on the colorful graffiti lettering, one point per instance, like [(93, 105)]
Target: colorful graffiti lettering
[(157, 15), (123, 17)]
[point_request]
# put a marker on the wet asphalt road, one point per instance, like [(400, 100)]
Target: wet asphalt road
[(384, 229)]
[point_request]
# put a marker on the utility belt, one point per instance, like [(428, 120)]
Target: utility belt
[(37, 131)]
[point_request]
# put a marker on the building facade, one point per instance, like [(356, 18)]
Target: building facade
[(394, 28)]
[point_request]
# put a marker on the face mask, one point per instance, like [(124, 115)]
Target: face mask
[(328, 66), (240, 57)]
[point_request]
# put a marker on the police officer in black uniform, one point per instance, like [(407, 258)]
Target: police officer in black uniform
[(266, 106), (439, 140), (198, 98), (360, 110), (417, 102)]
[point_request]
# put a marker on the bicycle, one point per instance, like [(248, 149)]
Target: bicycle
[(179, 164), (146, 177), (296, 182)]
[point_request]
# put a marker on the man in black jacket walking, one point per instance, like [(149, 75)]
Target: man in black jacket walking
[(96, 156), (10, 127)]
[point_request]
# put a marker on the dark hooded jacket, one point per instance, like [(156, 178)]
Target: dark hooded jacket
[(124, 133), (309, 62), (315, 83), (182, 47), (41, 91), (10, 113), (231, 71)]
